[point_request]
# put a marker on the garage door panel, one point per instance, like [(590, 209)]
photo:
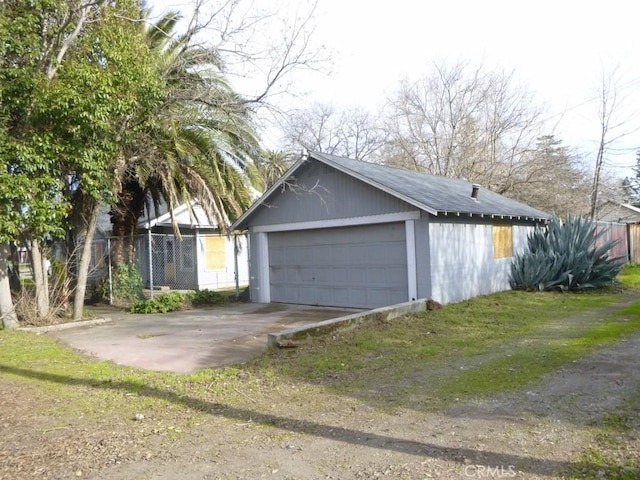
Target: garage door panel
[(278, 256), (363, 266), (396, 275), (307, 274), (324, 275), (278, 275)]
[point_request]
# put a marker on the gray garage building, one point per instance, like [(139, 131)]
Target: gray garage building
[(340, 232)]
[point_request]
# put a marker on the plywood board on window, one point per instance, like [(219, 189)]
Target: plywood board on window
[(502, 241), (215, 253)]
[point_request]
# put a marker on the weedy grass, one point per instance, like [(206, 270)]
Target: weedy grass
[(423, 361), (630, 276), (474, 348), (615, 453)]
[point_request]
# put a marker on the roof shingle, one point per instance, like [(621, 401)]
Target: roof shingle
[(432, 192)]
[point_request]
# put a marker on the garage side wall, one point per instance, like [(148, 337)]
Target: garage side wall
[(462, 259)]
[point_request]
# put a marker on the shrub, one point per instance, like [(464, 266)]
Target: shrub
[(206, 297), (127, 285), (564, 256), (161, 304)]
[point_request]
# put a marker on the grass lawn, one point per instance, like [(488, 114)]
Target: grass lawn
[(478, 347), (422, 362)]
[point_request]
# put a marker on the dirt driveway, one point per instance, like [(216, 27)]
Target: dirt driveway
[(189, 340)]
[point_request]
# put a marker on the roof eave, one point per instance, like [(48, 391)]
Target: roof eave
[(500, 216)]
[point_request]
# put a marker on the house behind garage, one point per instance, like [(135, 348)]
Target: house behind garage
[(340, 232), (201, 258)]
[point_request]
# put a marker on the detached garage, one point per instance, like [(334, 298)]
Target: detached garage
[(340, 232), (354, 266)]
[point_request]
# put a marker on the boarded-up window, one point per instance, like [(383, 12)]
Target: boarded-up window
[(215, 251), (502, 241)]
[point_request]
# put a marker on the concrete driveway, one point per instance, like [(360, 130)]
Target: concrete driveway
[(186, 341)]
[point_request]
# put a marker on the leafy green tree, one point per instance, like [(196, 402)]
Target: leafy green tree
[(631, 185), (74, 85), (122, 89)]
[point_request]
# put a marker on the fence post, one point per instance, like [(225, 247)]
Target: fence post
[(150, 263), (196, 255), (110, 275), (235, 265)]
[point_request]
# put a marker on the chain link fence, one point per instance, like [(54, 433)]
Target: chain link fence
[(166, 262)]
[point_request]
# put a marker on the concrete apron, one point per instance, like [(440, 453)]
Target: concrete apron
[(191, 340)]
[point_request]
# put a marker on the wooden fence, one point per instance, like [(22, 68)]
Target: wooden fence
[(634, 242), (617, 232)]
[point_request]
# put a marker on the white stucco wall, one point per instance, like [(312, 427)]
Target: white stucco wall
[(462, 260)]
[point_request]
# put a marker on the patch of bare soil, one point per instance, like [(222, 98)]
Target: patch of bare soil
[(285, 433)]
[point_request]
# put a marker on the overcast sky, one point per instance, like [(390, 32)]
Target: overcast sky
[(558, 48)]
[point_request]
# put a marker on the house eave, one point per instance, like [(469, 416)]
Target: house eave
[(240, 223), (495, 216)]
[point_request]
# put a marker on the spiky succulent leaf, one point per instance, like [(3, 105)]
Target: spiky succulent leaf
[(564, 255)]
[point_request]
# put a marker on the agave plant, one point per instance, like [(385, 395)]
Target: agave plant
[(565, 256)]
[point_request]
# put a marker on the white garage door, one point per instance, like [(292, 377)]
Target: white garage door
[(359, 267)]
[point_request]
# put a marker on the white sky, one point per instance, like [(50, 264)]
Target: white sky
[(557, 48)]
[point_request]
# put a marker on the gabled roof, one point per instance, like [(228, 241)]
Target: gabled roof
[(195, 217), (185, 217), (613, 211), (431, 193)]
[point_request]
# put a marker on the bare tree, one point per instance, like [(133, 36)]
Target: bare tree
[(259, 43), (352, 132), (610, 131), (461, 121)]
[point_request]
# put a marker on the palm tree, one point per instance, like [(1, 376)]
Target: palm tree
[(271, 166), (201, 145)]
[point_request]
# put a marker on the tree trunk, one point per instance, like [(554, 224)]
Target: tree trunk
[(40, 278), (7, 312), (89, 229), (124, 218), (14, 275)]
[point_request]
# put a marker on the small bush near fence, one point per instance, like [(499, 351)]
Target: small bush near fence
[(126, 284), (161, 304), (172, 301), (206, 297)]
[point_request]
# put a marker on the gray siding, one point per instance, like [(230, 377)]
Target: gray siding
[(323, 193), (254, 268), (423, 257)]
